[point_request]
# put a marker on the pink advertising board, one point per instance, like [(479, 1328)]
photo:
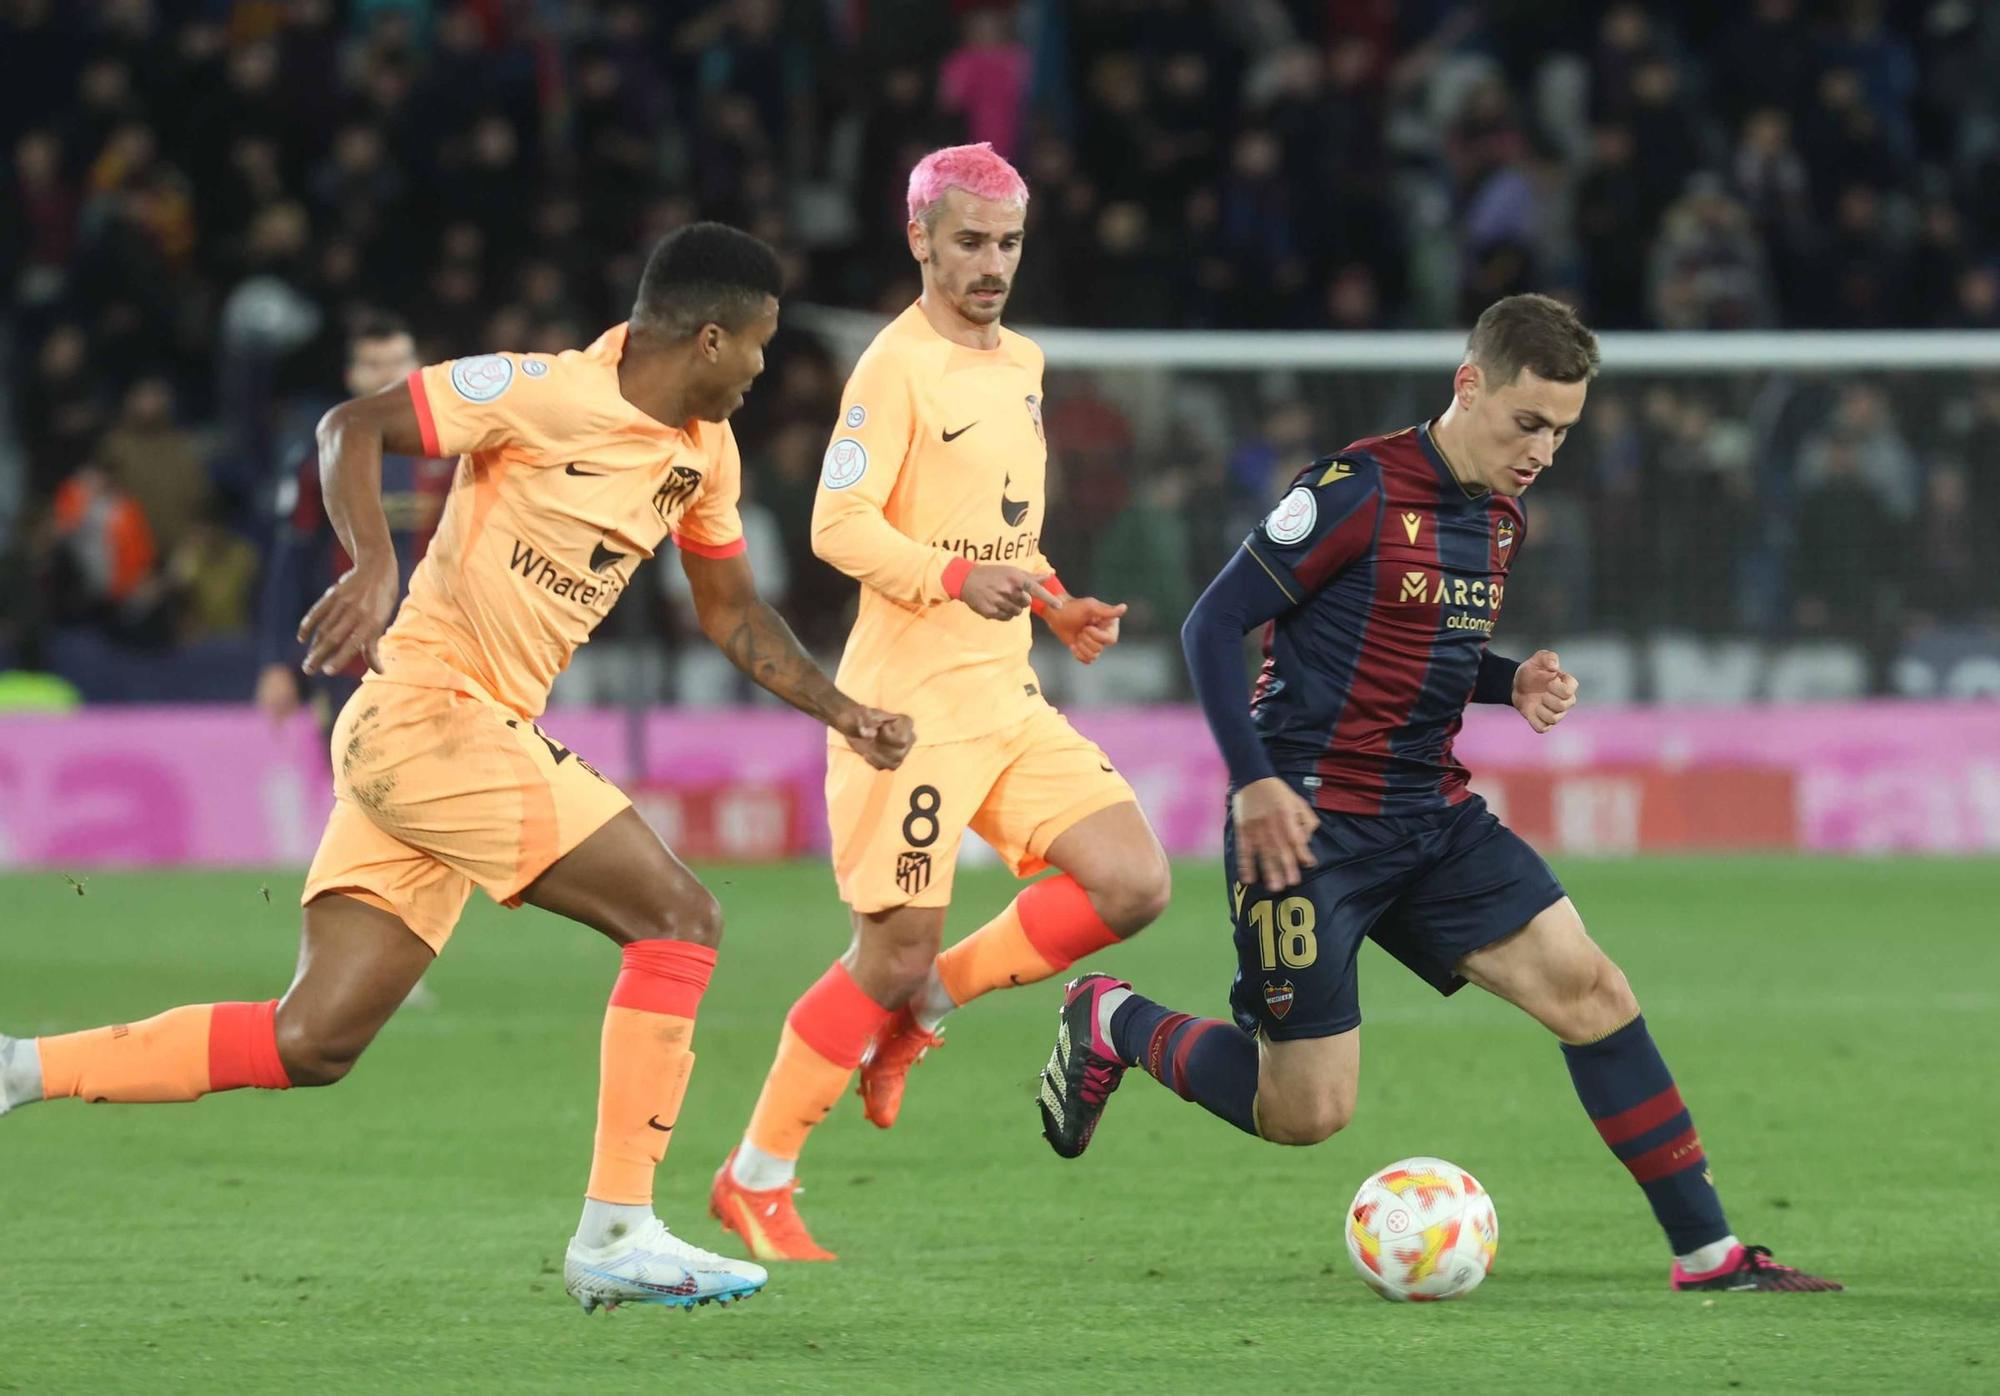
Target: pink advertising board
[(218, 786)]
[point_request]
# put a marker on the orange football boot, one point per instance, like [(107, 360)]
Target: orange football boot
[(767, 1219), (901, 1046)]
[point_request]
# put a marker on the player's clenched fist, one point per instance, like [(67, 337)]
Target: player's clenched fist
[(1542, 691), (348, 619), (997, 591), (1274, 828), (882, 739), (1088, 626)]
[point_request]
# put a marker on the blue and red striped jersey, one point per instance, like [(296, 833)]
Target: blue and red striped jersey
[(1396, 576), (306, 555)]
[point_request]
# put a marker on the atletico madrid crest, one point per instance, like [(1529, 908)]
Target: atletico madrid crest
[(1035, 414)]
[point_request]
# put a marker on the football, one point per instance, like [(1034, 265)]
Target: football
[(1422, 1229)]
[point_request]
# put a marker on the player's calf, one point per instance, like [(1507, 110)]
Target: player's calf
[(1302, 1120)]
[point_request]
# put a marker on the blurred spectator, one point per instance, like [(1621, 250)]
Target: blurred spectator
[(1705, 516), (38, 219), (1764, 58), (1279, 447), (985, 81), (1145, 556), (211, 577), (1864, 273), (59, 408), (1708, 268), (1864, 430), (99, 563), (1951, 571), (156, 464), (1834, 594), (1610, 234), (1772, 181)]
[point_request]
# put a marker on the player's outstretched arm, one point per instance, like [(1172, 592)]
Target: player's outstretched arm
[(755, 637), (352, 614)]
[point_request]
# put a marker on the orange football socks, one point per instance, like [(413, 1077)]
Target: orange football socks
[(825, 1034), (182, 1054), (648, 1030), (1044, 931)]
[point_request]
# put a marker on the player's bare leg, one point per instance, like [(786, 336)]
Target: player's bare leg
[(1307, 1087), (1115, 882), (623, 882), (826, 1034), (1553, 971), (357, 964)]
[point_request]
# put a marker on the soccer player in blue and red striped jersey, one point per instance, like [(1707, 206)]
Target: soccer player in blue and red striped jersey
[(1377, 579), (306, 554)]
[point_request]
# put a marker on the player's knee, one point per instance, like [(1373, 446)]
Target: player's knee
[(313, 1056), (1612, 1001), (1596, 1001), (892, 971), (1135, 898), (1308, 1120), (690, 913)]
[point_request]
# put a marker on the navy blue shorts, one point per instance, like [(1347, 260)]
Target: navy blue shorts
[(1427, 888)]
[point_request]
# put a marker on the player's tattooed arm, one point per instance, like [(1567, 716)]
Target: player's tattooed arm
[(745, 627), (352, 614)]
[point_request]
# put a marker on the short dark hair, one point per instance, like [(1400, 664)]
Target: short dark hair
[(368, 326), (1538, 333), (705, 274)]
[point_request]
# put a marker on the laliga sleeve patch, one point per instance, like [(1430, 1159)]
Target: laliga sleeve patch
[(1293, 518), (846, 462), (856, 415), (482, 377)]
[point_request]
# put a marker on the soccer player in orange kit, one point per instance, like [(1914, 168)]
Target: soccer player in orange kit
[(931, 495), (573, 467)]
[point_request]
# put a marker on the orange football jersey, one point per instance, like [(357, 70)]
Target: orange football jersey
[(938, 455), (562, 487)]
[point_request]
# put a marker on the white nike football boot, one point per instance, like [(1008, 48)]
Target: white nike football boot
[(654, 1266), (20, 1072)]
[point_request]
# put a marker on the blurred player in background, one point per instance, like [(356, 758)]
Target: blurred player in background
[(575, 466), (306, 554), (1378, 577), (931, 495)]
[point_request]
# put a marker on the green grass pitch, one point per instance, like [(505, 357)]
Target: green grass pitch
[(1832, 1023)]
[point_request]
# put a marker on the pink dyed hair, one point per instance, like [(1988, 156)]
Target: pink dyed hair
[(979, 170)]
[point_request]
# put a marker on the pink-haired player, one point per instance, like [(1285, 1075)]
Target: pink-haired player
[(931, 496)]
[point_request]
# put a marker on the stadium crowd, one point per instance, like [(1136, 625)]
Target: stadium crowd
[(201, 196)]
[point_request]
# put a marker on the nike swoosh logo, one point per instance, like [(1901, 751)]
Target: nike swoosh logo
[(654, 1123), (602, 557), (571, 469), (1102, 767), (952, 436)]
